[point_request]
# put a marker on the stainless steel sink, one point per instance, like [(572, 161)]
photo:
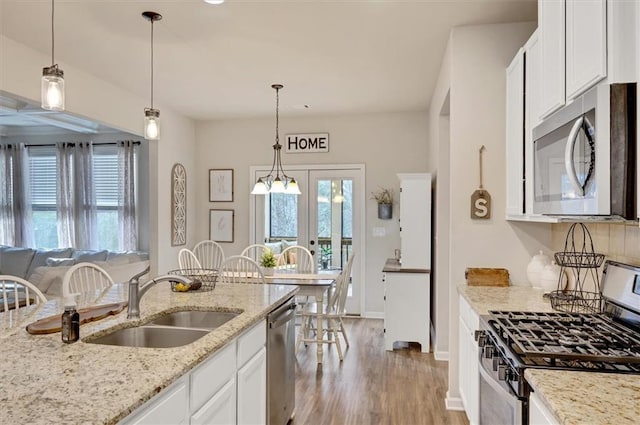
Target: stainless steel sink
[(195, 319), (151, 337)]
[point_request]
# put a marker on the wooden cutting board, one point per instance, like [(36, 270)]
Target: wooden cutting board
[(486, 277), (52, 324)]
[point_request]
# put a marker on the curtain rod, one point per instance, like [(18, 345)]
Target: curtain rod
[(135, 142)]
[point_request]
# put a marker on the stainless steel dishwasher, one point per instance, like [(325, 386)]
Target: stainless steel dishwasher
[(281, 378)]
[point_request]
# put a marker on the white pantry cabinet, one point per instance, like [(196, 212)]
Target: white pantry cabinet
[(415, 220), (469, 374), (230, 387), (514, 150), (539, 414)]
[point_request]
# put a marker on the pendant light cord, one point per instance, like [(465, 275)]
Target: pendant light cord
[(152, 63), (53, 40)]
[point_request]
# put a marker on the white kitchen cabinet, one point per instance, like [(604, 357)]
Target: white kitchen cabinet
[(532, 89), (539, 414), (551, 24), (220, 409), (415, 220), (469, 374), (586, 45), (252, 390), (514, 150), (169, 407), (406, 309)]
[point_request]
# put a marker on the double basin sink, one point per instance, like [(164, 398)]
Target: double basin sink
[(170, 330)]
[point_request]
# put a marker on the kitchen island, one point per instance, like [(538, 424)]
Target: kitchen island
[(44, 381), (571, 397)]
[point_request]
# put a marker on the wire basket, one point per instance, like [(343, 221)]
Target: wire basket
[(578, 259), (576, 302), (201, 280)]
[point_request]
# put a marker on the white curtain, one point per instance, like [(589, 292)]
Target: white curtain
[(77, 215), (127, 214), (16, 226)]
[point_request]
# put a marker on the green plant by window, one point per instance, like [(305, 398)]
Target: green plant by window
[(268, 259), (383, 196), (325, 253)]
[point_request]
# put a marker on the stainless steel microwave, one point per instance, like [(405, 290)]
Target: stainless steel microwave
[(585, 155)]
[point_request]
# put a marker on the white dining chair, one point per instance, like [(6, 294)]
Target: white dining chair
[(209, 253), (296, 258), (18, 292), (187, 260), (333, 313), (254, 251), (86, 282), (240, 269)]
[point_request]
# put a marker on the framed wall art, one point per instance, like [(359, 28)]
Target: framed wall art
[(221, 225), (178, 205), (221, 185)]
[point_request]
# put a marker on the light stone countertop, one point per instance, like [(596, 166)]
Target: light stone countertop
[(575, 398), (44, 381), (588, 398)]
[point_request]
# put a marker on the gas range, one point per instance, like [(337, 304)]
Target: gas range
[(511, 341)]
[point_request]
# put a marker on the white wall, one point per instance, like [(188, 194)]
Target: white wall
[(91, 97), (479, 56), (386, 143)]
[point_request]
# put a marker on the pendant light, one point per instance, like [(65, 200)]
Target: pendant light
[(151, 115), (280, 183), (52, 86)]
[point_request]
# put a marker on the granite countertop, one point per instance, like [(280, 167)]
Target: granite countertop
[(393, 266), (45, 381), (575, 398), (581, 398)]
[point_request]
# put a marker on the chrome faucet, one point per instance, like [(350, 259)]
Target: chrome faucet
[(136, 291)]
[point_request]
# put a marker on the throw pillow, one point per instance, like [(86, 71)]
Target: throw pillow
[(15, 261), (41, 256), (276, 247), (82, 256), (57, 262)]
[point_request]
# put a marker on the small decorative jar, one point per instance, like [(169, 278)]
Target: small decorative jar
[(535, 268), (553, 278)]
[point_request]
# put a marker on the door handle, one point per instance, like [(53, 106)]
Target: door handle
[(568, 156), (312, 252)]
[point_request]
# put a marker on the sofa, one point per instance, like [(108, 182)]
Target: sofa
[(45, 268)]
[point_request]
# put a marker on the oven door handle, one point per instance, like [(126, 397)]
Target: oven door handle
[(492, 381), (568, 156)]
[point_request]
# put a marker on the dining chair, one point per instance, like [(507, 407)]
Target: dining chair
[(296, 258), (209, 253), (240, 269), (18, 292), (87, 282), (254, 251), (333, 313), (187, 260)]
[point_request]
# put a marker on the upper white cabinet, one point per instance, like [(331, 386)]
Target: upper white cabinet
[(551, 18), (515, 135), (586, 44), (415, 220), (532, 88)]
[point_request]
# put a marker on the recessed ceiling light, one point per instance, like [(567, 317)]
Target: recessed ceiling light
[(214, 1)]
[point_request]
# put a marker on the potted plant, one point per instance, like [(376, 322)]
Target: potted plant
[(384, 198), (268, 262), (325, 256)]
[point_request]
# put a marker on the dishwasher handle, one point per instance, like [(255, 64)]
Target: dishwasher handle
[(283, 317)]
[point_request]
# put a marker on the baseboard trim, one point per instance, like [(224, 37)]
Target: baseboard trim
[(441, 356), (453, 403), (373, 315)]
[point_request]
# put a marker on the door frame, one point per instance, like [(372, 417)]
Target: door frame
[(360, 195)]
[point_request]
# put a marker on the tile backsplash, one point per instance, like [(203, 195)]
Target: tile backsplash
[(619, 241)]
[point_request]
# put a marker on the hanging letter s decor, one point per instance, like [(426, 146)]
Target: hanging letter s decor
[(481, 199), (178, 205)]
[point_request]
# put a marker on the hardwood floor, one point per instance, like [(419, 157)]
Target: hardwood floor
[(371, 385)]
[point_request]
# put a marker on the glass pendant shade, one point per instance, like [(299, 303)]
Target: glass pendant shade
[(293, 188), (277, 186), (52, 89), (260, 188), (151, 124)]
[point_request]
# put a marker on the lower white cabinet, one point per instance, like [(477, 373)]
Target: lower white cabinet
[(406, 309), (539, 414), (469, 373), (252, 390), (230, 387)]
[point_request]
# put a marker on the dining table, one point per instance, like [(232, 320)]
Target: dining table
[(316, 285)]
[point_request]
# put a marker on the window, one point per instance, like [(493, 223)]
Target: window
[(43, 189), (283, 216)]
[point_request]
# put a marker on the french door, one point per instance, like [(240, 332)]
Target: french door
[(327, 218)]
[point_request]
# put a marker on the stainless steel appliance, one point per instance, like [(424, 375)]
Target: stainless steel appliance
[(281, 374), (512, 341), (584, 155)]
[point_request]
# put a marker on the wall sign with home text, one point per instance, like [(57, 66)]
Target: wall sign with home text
[(306, 143)]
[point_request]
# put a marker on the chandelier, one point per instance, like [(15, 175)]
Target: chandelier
[(151, 115), (52, 83), (280, 183)]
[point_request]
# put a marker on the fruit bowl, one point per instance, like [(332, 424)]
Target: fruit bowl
[(201, 280)]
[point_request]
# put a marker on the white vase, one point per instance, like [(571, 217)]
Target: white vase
[(268, 271), (535, 268), (550, 278)]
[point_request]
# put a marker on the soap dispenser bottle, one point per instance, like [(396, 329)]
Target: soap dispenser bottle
[(70, 322)]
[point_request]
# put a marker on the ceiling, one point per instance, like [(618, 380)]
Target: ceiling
[(218, 62)]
